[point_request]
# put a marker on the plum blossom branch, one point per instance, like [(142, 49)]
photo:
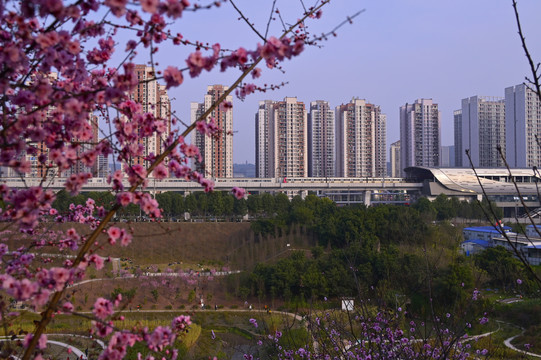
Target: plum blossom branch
[(139, 179)]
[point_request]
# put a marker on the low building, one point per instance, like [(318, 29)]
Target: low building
[(485, 233), (529, 248), (499, 185), (532, 232), (471, 247)]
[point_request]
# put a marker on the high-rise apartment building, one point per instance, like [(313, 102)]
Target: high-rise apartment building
[(262, 138), (482, 131), (281, 139), (459, 152), (360, 140), (395, 159), (154, 99), (523, 124), (289, 135), (216, 151), (321, 140), (447, 158), (80, 166), (420, 135), (381, 146)]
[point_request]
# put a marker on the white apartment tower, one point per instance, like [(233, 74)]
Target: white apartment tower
[(395, 159), (281, 139), (360, 140), (321, 140), (262, 138), (420, 135), (216, 151), (523, 124), (482, 131), (289, 140)]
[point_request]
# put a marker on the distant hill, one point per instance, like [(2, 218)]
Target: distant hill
[(244, 170)]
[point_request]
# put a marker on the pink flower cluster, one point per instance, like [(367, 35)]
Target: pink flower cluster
[(208, 128), (103, 308), (181, 323), (239, 193), (118, 234), (276, 50)]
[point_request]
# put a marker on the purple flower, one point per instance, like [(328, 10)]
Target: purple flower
[(519, 281), (254, 322)]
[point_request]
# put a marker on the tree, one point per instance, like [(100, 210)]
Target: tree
[(59, 78)]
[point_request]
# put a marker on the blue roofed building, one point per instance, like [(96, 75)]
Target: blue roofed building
[(470, 247), (485, 233)]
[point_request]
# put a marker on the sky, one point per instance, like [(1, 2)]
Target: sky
[(393, 53)]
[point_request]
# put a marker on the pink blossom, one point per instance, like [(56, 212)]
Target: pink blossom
[(103, 308), (67, 307), (125, 238), (114, 234), (60, 276), (41, 297), (159, 338), (97, 260), (191, 151), (160, 172), (180, 323), (150, 6), (125, 198), (239, 193), (256, 73), (195, 63), (42, 342), (173, 77)]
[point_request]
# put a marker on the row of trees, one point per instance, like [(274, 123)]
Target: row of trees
[(277, 207), (445, 208)]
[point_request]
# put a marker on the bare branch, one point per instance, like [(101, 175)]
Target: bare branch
[(248, 21), (533, 67), (270, 18)]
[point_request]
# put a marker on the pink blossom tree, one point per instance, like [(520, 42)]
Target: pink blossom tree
[(57, 81)]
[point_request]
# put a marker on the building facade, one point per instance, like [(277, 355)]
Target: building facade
[(395, 160), (262, 138), (459, 152), (482, 131), (321, 143), (154, 99), (289, 139), (447, 158), (420, 134), (360, 140), (216, 151), (522, 124)]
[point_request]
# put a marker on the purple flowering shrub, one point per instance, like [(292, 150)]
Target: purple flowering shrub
[(377, 335)]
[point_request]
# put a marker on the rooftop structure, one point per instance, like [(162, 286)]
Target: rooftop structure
[(464, 184)]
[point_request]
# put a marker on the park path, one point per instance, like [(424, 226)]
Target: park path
[(76, 353)]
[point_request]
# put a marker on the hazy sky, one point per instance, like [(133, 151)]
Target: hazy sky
[(393, 53)]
